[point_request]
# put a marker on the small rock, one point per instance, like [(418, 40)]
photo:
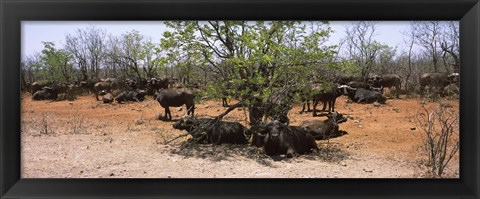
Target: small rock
[(206, 106), (81, 171), (71, 103), (180, 109), (169, 176), (368, 170), (343, 164), (356, 121), (204, 97), (376, 104), (112, 174), (413, 128)]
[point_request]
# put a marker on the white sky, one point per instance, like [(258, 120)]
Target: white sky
[(34, 32)]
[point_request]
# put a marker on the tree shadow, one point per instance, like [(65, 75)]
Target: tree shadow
[(230, 152)]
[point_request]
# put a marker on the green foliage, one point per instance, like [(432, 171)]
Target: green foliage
[(261, 59), (55, 64)]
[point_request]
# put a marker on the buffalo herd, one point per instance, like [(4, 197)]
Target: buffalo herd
[(276, 137)]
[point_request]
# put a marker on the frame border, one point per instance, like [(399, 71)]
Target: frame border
[(13, 12)]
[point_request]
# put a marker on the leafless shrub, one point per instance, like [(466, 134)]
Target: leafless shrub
[(77, 123), (45, 127), (440, 142)]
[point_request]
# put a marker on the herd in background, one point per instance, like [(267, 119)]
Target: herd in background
[(274, 138)]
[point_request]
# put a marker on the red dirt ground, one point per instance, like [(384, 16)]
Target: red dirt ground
[(89, 139)]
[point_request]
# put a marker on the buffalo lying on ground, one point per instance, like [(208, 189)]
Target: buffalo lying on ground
[(361, 95), (176, 98), (279, 139), (344, 80), (44, 95), (36, 86), (326, 129), (105, 85), (131, 96), (451, 90), (211, 131)]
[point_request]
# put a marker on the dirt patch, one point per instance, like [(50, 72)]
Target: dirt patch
[(88, 139)]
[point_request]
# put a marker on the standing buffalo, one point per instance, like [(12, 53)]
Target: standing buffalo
[(387, 81), (155, 84), (176, 98), (278, 139), (211, 131), (437, 81), (328, 97)]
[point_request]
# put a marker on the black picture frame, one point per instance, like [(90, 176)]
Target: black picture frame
[(13, 12)]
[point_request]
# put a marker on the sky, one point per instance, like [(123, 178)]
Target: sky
[(34, 32)]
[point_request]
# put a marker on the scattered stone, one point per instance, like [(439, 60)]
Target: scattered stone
[(81, 171), (376, 104), (368, 170), (343, 164), (356, 121), (112, 174), (206, 106), (204, 98), (169, 176), (139, 121), (413, 128), (71, 103)]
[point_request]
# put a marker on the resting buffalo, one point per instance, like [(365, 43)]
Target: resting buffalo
[(176, 98), (451, 90), (36, 86), (361, 95), (131, 96), (44, 95), (105, 85), (344, 80), (387, 81), (88, 86), (326, 129), (211, 131), (278, 139), (437, 81)]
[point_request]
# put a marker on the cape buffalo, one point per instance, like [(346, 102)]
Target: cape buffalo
[(105, 85), (328, 128), (133, 96), (211, 131), (361, 95), (176, 98), (436, 81), (279, 139), (387, 81)]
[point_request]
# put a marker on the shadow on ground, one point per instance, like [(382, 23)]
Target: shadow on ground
[(328, 152)]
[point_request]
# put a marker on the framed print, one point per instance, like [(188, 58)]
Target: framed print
[(207, 99)]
